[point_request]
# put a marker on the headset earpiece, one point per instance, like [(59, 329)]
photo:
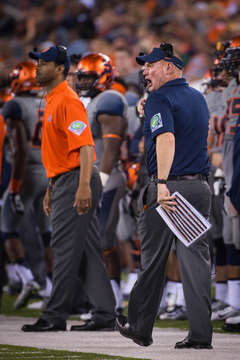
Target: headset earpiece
[(168, 49), (62, 54)]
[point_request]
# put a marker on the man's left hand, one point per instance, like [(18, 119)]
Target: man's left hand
[(83, 199)]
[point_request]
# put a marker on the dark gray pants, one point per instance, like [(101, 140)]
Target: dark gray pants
[(156, 241), (109, 213), (76, 252)]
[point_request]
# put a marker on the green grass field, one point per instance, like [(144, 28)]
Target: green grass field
[(8, 309), (9, 352)]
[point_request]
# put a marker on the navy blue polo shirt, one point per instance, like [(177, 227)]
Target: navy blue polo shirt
[(180, 109)]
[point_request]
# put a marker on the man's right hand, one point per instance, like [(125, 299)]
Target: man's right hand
[(16, 203), (47, 202), (141, 105), (164, 199)]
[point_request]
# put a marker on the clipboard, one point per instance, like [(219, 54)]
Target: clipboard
[(186, 222)]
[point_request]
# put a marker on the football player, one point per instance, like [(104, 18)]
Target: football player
[(25, 193), (107, 113), (231, 99)]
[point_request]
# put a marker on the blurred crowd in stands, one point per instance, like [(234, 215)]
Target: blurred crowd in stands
[(104, 26)]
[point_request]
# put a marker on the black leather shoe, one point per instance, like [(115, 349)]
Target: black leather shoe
[(41, 326), (92, 326), (190, 344), (231, 327), (125, 330)]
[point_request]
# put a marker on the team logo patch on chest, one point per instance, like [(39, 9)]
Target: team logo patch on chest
[(77, 127), (156, 122)]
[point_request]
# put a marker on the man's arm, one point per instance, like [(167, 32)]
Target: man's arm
[(112, 130), (18, 142), (83, 196), (165, 150)]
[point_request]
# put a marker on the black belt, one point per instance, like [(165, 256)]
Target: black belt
[(182, 177), (52, 180)]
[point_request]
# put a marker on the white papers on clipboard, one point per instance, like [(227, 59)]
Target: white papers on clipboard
[(186, 222)]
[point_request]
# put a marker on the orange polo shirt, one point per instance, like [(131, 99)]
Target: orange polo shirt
[(65, 130)]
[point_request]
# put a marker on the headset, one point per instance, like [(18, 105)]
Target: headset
[(62, 54), (168, 49)]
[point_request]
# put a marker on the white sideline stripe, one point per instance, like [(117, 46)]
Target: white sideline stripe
[(225, 346)]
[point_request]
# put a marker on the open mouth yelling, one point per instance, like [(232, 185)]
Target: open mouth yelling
[(149, 82)]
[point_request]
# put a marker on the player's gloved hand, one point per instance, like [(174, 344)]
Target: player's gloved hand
[(16, 202)]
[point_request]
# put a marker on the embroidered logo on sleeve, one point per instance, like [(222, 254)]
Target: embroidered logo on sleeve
[(156, 122), (77, 127)]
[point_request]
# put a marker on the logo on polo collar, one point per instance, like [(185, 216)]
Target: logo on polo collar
[(156, 122), (77, 127)]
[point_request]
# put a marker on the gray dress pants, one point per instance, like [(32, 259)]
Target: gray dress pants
[(77, 252), (156, 241)]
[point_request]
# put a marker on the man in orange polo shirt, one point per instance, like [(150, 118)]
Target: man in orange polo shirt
[(71, 198)]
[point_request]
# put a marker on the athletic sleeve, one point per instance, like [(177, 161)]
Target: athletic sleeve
[(158, 115), (111, 104), (78, 128), (12, 110)]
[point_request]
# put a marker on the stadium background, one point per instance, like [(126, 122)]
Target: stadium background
[(102, 26)]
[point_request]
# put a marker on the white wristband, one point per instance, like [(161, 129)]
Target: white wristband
[(104, 178)]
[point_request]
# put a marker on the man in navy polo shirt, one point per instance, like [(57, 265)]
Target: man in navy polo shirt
[(175, 130)]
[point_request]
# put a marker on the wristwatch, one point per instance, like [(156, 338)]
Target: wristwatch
[(160, 181)]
